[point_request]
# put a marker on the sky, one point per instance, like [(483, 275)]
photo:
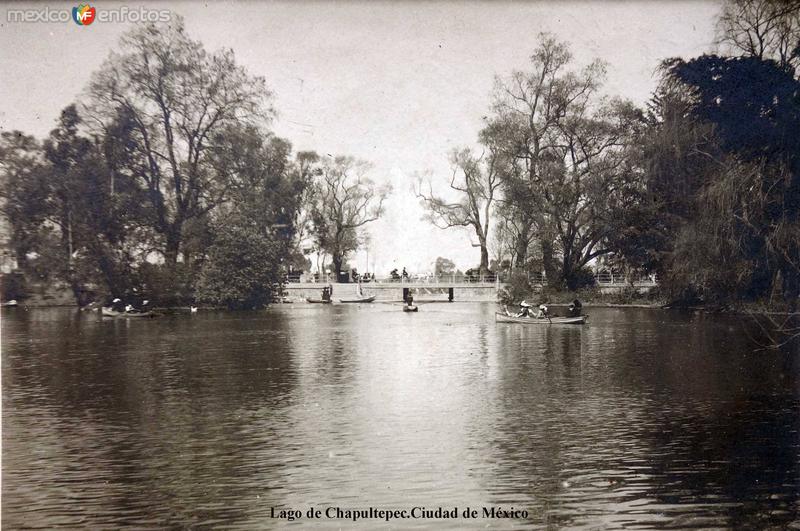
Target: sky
[(397, 84)]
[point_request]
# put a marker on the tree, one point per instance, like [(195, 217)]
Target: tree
[(764, 29), (444, 266), (476, 180), (253, 232), (750, 207), (65, 212), (24, 192), (566, 150), (243, 266), (177, 99), (345, 200)]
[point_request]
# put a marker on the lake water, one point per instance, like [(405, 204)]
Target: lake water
[(642, 419)]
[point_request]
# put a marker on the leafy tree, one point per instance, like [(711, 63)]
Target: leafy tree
[(178, 100), (752, 207), (24, 192), (477, 182), (64, 211), (243, 266), (254, 230), (565, 146), (344, 200), (444, 266)]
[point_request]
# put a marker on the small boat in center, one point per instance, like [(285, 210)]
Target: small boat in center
[(108, 312), (410, 308), (501, 317), (360, 299), (318, 301)]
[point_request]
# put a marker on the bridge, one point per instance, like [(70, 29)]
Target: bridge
[(443, 287)]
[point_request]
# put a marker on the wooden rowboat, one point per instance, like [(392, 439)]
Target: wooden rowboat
[(501, 317), (317, 301), (410, 308), (362, 299), (108, 312)]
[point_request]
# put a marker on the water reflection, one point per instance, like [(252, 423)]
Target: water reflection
[(641, 419)]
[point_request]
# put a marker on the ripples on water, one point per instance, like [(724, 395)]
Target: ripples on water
[(641, 419)]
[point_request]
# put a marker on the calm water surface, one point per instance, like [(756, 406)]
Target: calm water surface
[(641, 419)]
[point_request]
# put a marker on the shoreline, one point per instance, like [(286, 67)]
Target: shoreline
[(646, 306)]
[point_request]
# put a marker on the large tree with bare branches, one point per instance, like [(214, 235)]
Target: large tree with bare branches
[(565, 147), (765, 29), (344, 200), (476, 180), (176, 100)]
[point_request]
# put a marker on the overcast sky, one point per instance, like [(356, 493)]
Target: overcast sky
[(399, 84)]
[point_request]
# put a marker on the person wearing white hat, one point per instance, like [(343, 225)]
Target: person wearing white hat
[(542, 312), (117, 306), (524, 309)]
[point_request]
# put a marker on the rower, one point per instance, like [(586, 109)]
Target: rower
[(117, 306), (543, 313), (575, 308), (525, 309)]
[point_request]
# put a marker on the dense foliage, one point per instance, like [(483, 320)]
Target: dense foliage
[(169, 185)]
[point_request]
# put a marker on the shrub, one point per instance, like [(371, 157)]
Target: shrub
[(517, 288), (243, 268), (13, 286)]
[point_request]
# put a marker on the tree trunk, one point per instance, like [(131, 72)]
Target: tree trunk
[(521, 246), (484, 267), (172, 247), (550, 271), (337, 265), (569, 273)]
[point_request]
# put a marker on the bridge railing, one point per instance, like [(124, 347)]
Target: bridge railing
[(602, 278)]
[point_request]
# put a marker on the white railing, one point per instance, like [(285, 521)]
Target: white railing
[(601, 278)]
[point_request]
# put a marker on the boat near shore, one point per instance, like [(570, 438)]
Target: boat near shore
[(363, 300), (318, 301), (501, 317), (108, 312)]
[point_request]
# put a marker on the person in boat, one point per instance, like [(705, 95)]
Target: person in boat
[(409, 300), (543, 312), (525, 310), (575, 308), (326, 293), (117, 306)]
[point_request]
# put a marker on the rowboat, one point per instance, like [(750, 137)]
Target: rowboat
[(317, 301), (362, 299), (108, 312), (410, 308), (501, 317)]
